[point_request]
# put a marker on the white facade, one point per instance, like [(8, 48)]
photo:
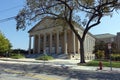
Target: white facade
[(59, 39)]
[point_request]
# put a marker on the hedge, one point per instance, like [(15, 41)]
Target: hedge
[(115, 57), (44, 57)]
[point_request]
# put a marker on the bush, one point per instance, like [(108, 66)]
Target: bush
[(115, 57), (45, 57), (17, 56), (100, 54)]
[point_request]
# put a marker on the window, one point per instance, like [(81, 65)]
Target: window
[(47, 38)]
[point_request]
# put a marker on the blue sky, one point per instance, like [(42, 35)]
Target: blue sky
[(19, 39), (10, 8), (108, 25)]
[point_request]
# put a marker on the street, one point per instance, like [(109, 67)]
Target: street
[(38, 71)]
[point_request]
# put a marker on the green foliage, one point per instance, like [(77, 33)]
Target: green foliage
[(101, 45), (5, 45), (34, 10), (115, 57), (91, 11), (19, 51), (100, 54), (105, 63), (45, 57), (17, 56), (88, 2)]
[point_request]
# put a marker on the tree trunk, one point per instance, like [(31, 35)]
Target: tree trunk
[(82, 56)]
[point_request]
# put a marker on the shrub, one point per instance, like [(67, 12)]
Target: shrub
[(17, 56), (45, 57), (115, 57), (100, 54)]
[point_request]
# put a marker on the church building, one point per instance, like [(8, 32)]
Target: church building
[(53, 36)]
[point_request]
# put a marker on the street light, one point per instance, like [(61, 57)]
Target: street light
[(109, 48)]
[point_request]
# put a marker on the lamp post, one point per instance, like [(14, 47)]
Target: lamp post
[(110, 48)]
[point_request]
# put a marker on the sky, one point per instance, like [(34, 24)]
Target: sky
[(20, 39), (10, 8)]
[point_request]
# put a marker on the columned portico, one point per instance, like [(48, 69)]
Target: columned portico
[(52, 39)]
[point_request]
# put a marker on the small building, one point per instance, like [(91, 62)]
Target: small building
[(107, 38), (118, 41), (55, 37)]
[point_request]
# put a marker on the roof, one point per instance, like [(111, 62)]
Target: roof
[(38, 23), (78, 26), (106, 35)]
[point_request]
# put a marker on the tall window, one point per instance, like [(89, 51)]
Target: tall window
[(47, 38), (53, 37)]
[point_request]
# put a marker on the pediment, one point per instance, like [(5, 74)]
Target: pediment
[(45, 23)]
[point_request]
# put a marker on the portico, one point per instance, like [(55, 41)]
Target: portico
[(52, 42), (53, 38)]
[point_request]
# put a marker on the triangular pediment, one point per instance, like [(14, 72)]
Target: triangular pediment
[(48, 22), (44, 23)]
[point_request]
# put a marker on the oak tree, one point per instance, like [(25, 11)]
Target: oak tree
[(87, 13)]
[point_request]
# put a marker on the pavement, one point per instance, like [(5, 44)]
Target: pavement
[(57, 69), (64, 63)]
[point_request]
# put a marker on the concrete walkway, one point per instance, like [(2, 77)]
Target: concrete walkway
[(64, 63)]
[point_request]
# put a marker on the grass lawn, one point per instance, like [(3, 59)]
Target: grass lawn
[(115, 64), (17, 56)]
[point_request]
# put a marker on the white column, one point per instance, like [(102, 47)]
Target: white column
[(29, 44), (85, 47), (34, 44), (51, 42), (44, 46), (78, 46), (87, 44), (39, 43), (74, 48), (65, 42), (57, 45)]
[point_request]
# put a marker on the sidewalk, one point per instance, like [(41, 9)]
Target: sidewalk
[(71, 64)]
